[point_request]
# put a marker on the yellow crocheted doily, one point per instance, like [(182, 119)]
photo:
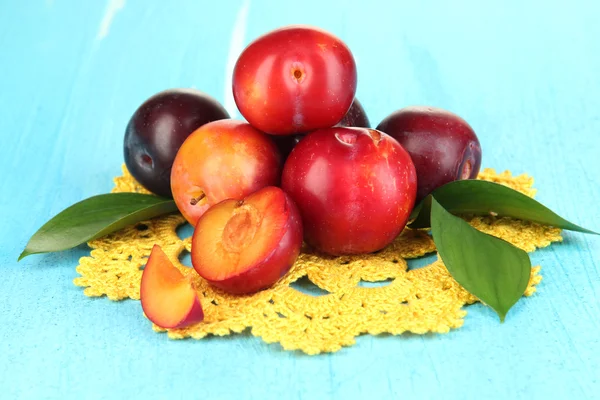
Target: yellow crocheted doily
[(422, 300)]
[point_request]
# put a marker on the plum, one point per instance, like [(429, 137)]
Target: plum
[(226, 159), (442, 145), (245, 246), (355, 117), (159, 127), (294, 80), (355, 188), (168, 297)]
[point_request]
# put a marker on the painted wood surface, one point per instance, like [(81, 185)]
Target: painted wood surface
[(525, 74)]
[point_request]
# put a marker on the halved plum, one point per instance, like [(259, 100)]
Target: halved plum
[(245, 246)]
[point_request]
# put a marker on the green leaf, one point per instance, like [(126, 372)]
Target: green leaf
[(493, 270), (420, 215), (95, 217), (479, 197)]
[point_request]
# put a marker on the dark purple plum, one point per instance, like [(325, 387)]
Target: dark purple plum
[(442, 145), (158, 128), (355, 117), (285, 144)]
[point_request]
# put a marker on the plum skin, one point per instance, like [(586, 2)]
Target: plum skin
[(286, 144), (158, 128), (282, 89), (442, 145), (225, 159), (355, 117), (355, 189)]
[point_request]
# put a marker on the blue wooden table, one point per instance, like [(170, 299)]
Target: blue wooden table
[(524, 73)]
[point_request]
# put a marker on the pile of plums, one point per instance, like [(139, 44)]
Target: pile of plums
[(306, 166)]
